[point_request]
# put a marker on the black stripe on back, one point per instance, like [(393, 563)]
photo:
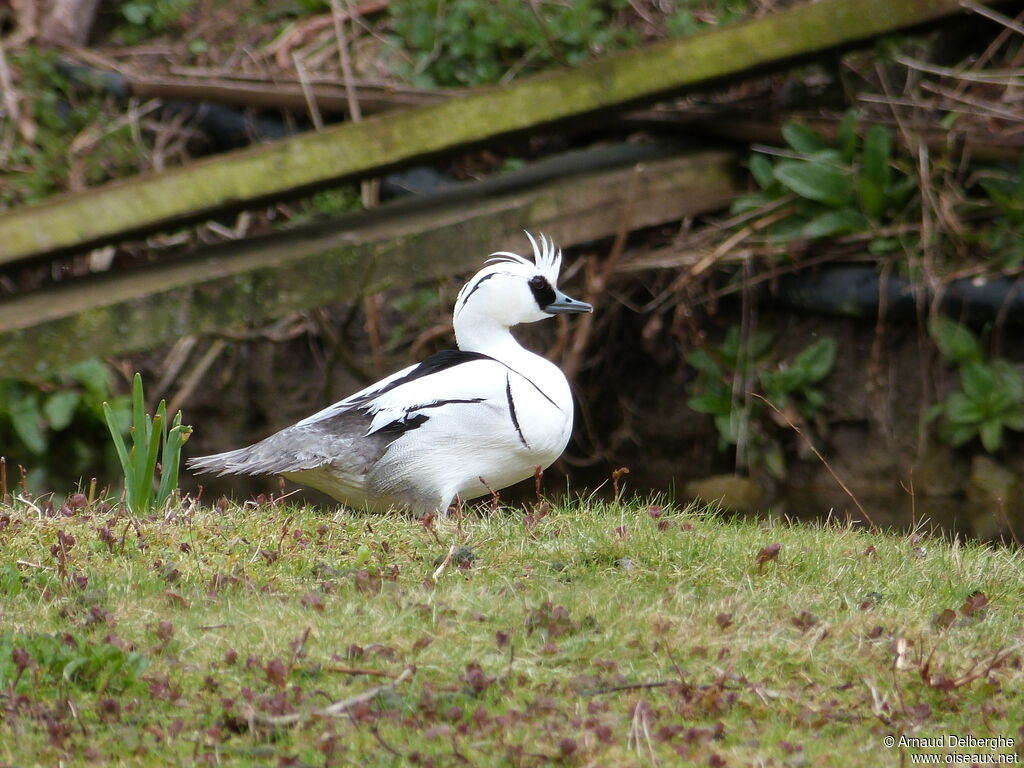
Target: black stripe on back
[(413, 419), (439, 361), (399, 427), (531, 382), (512, 410)]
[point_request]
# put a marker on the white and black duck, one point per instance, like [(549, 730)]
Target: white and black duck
[(490, 409)]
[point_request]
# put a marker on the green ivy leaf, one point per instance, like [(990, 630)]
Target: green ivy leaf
[(26, 418), (877, 153), (847, 135), (817, 360), (137, 13), (978, 381), (91, 374), (956, 343), (815, 401), (815, 181), (728, 427), (789, 228), (777, 384), (702, 360), (828, 156), (1011, 206), (803, 139), (762, 171), (1008, 379), (999, 401), (711, 403), (880, 246), (757, 345), (1015, 419), (872, 197), (59, 408), (831, 223), (897, 193), (991, 433), (748, 203), (958, 434), (960, 409)]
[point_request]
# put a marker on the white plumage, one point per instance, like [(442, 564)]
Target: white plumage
[(426, 434)]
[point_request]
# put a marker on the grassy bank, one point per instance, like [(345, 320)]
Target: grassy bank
[(593, 635)]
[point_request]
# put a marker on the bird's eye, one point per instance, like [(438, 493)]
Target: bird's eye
[(537, 281)]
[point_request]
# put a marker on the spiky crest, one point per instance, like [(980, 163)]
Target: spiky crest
[(546, 258)]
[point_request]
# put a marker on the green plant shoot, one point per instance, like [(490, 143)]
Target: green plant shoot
[(151, 440)]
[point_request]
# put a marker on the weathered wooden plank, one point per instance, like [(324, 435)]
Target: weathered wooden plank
[(354, 150), (227, 286), (287, 94)]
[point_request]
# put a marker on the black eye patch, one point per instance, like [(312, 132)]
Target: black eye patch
[(542, 291)]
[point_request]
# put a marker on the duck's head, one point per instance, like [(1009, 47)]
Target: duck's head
[(511, 290)]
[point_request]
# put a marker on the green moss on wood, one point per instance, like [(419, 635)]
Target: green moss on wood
[(240, 283), (354, 150)]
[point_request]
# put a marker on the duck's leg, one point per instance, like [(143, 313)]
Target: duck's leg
[(448, 501)]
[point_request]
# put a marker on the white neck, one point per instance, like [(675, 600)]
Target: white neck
[(476, 332)]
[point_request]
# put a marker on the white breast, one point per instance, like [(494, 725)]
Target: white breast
[(477, 420)]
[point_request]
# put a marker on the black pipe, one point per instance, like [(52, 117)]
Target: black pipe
[(855, 290)]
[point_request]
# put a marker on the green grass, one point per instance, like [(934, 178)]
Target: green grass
[(601, 634)]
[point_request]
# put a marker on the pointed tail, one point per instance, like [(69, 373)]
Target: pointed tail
[(237, 462)]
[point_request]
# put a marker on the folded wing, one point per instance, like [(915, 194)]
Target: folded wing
[(353, 434)]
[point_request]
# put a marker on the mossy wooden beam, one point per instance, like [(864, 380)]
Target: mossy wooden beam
[(228, 286), (383, 142)]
